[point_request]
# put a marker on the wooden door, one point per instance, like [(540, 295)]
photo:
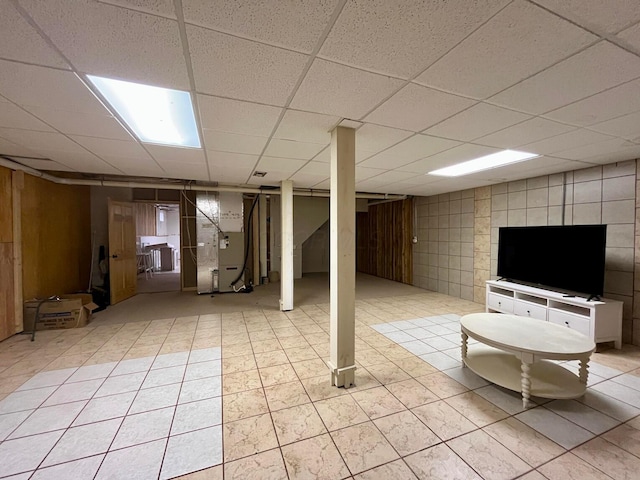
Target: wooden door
[(122, 250)]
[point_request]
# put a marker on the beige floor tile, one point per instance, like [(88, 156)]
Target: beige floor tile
[(370, 357), (277, 375), (363, 380), (317, 338), (314, 458), (378, 402), (530, 445), (297, 423), (263, 466), (261, 335), (340, 412), (248, 437), (310, 368), (105, 357), (626, 437), (443, 420), (266, 346), (9, 384), (570, 467), (397, 470), (236, 350), (442, 385), (414, 366), (213, 473), (271, 359), (240, 381), (406, 433), (286, 395), (387, 373), (440, 462), (298, 354), (285, 332), (141, 352), (244, 405), (320, 388), (175, 347), (477, 409), (534, 475), (294, 342), (363, 447), (231, 339), (199, 343), (68, 361), (394, 352), (412, 393), (607, 457), (240, 363), (488, 457)]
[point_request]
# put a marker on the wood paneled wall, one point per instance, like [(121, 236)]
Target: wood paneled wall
[(383, 241), (7, 298), (56, 238), (146, 224)]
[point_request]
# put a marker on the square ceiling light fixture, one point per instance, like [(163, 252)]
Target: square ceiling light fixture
[(156, 115), (487, 162)]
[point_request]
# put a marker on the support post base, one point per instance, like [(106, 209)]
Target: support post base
[(342, 377)]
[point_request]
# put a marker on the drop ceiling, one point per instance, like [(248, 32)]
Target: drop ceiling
[(430, 84)]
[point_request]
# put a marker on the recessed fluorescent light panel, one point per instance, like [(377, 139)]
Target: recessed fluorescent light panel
[(487, 162), (155, 114)]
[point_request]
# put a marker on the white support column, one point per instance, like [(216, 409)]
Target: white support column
[(343, 257), (286, 237), (262, 211)]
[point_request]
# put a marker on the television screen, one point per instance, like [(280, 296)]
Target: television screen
[(563, 257)]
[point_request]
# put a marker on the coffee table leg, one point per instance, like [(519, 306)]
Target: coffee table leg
[(465, 337), (584, 370), (526, 384)]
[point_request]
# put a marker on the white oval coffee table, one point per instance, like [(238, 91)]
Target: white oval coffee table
[(516, 350)]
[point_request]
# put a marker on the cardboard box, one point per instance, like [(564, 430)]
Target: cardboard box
[(71, 311)]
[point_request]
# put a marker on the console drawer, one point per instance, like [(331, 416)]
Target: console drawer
[(575, 322), (525, 309), (500, 303)]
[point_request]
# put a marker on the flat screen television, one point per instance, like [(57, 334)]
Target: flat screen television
[(570, 258)]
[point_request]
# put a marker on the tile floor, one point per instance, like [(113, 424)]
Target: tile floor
[(245, 395)]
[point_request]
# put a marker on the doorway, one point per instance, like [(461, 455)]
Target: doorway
[(158, 247)]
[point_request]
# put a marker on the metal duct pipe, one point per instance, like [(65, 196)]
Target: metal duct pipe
[(170, 186)]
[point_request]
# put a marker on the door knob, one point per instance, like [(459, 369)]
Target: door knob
[(114, 256)]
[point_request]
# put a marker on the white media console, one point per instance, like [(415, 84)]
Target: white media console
[(600, 320)]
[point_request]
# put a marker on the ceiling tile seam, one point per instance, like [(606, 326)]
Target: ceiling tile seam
[(136, 10), (412, 78), (309, 161), (177, 5), (332, 20), (31, 64), (25, 15)]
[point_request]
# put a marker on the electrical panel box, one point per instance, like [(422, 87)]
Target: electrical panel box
[(231, 259)]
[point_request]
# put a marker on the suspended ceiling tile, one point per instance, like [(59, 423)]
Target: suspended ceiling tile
[(84, 161), (392, 176), (278, 164), (292, 149), (104, 126), (325, 155), (187, 171), (525, 132), (306, 127), (135, 165), (458, 154), (363, 173), (12, 148), (265, 74), (163, 8), (598, 68), (630, 152), (407, 151), (374, 138), (224, 160), (342, 91), (477, 121), (107, 146), (324, 185), (403, 37), (235, 116), (416, 108), (528, 39), (40, 164), (559, 143), (606, 105), (306, 180), (273, 177), (631, 36), (114, 42), (20, 41), (606, 17), (294, 25), (235, 175), (42, 142), (316, 168), (627, 127), (230, 142), (173, 157), (12, 116), (29, 85), (598, 149)]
